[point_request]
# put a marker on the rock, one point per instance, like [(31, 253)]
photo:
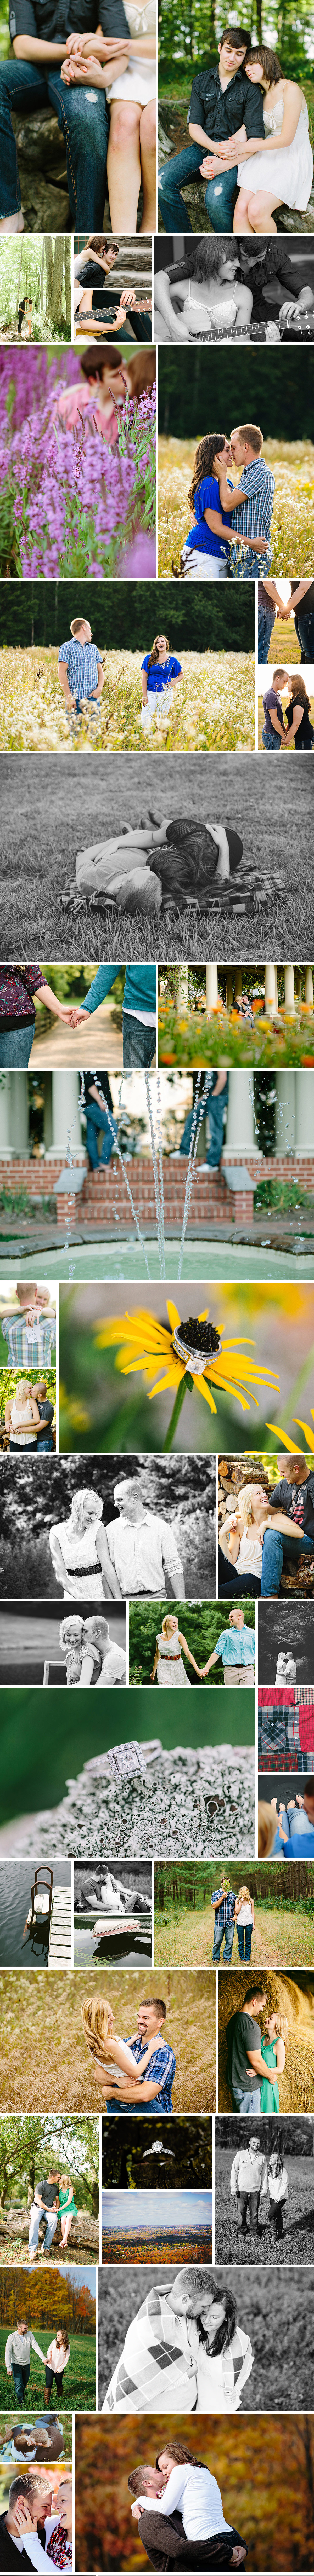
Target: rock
[(43, 173)]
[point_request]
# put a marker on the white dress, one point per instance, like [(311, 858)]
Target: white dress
[(78, 1548), (171, 1674), (139, 82), (291, 171)]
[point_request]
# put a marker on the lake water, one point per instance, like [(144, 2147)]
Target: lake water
[(127, 1954), (16, 1879)]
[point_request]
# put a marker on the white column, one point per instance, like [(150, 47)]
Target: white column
[(229, 989), (211, 988), (304, 1117), (289, 989), (238, 984), (276, 988), (182, 1000), (270, 989), (5, 1118), (285, 1112), (309, 987), (19, 1114), (298, 986), (65, 1115), (240, 1137)]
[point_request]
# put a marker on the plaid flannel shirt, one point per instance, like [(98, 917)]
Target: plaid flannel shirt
[(225, 1911), (156, 2367), (31, 1343)]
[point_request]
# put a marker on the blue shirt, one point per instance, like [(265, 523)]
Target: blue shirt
[(162, 2065), (236, 1645), (82, 663), (297, 1845), (253, 515), (207, 497), (161, 672), (139, 990)]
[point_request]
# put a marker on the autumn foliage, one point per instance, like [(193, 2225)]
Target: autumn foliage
[(264, 2467)]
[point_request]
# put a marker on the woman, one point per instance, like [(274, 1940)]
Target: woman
[(245, 1921), (301, 607), (76, 1547), (90, 269), (17, 1014), (206, 550), (22, 1416), (278, 2191), (274, 2050), (160, 676), (209, 292), (67, 2207), (58, 2526), (111, 2055), (189, 2490), (242, 1537), (278, 171), (168, 1657), (102, 388), (91, 1654), (223, 2355), (300, 731), (286, 1670), (58, 2353), (130, 90)]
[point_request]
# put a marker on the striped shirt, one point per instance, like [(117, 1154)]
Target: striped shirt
[(253, 516), (82, 663), (29, 1341), (157, 2367)]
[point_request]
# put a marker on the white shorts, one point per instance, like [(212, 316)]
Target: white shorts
[(203, 567)]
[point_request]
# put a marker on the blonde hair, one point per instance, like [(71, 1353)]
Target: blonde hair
[(281, 2027), (244, 1895), (23, 1388), (77, 1506), (95, 2018), (168, 1624), (267, 1827), (71, 1622), (245, 1505)]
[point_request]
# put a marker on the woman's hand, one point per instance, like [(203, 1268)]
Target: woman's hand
[(102, 46)]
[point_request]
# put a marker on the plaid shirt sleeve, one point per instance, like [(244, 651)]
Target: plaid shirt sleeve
[(162, 2065)]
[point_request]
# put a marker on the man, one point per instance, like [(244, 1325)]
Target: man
[(196, 2533), (223, 103), (18, 2354), (248, 2184), (295, 1491), (25, 315), (138, 1010), (224, 1900), (99, 1118), (30, 1332), (30, 2497), (139, 1551), (294, 1839), (162, 2063), (236, 1646), (158, 2365), (245, 2067), (46, 2201), (273, 730), (41, 33), (252, 514), (212, 1106), (136, 869), (80, 667), (30, 2442), (269, 603)]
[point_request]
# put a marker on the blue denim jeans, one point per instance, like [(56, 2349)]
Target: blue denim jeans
[(50, 2229), (138, 1042), (265, 627), (275, 1547), (95, 1119), (244, 1931), (84, 123), (228, 1937), (246, 2101), (219, 198), (215, 1113), (15, 1044), (20, 2374), (272, 741)]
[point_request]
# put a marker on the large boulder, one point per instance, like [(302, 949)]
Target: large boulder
[(43, 172)]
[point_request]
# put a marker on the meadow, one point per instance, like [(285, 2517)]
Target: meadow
[(45, 2054), (297, 2243), (291, 462), (213, 709), (285, 1936), (79, 2386)]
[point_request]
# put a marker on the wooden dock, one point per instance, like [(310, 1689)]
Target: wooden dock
[(59, 1953)]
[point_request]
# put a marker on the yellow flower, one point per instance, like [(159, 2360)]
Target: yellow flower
[(301, 1426), (144, 1344)]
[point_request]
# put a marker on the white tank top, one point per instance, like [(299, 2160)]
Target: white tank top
[(250, 1553)]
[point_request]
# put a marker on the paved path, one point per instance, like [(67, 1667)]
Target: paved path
[(97, 1042)]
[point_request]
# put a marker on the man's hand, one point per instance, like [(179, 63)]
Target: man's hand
[(9, 2373), (102, 46), (136, 2510)]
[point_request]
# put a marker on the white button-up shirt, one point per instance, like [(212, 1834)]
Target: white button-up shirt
[(143, 1553)]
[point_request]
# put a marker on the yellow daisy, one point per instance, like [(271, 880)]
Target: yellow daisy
[(189, 1355)]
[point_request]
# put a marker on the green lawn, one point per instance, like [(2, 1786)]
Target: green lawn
[(282, 1938), (80, 2377)]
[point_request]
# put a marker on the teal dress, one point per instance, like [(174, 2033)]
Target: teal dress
[(269, 2092)]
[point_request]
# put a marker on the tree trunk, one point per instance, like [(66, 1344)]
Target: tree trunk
[(67, 279), (42, 277), (54, 305), (19, 279), (49, 269)]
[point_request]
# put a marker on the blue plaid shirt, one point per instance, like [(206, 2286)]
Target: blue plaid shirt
[(162, 2065), (253, 516), (29, 1344), (82, 662), (225, 1911)]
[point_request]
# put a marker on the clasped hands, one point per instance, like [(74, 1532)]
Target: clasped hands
[(227, 152), (94, 58)]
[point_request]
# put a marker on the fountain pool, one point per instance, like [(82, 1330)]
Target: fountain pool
[(201, 1260)]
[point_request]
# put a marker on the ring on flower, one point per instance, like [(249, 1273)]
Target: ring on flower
[(143, 1343)]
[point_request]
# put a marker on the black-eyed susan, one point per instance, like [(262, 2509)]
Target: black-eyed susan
[(191, 1355)]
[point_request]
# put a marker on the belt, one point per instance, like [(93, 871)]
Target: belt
[(171, 1659)]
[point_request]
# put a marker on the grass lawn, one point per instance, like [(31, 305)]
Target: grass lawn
[(79, 2387), (292, 464), (214, 708), (297, 2243), (284, 1939), (51, 812)]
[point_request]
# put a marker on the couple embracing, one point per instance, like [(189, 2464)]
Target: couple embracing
[(178, 2508), (249, 132)]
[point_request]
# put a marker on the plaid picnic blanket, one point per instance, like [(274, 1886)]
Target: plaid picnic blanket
[(286, 1729), (156, 2365)]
